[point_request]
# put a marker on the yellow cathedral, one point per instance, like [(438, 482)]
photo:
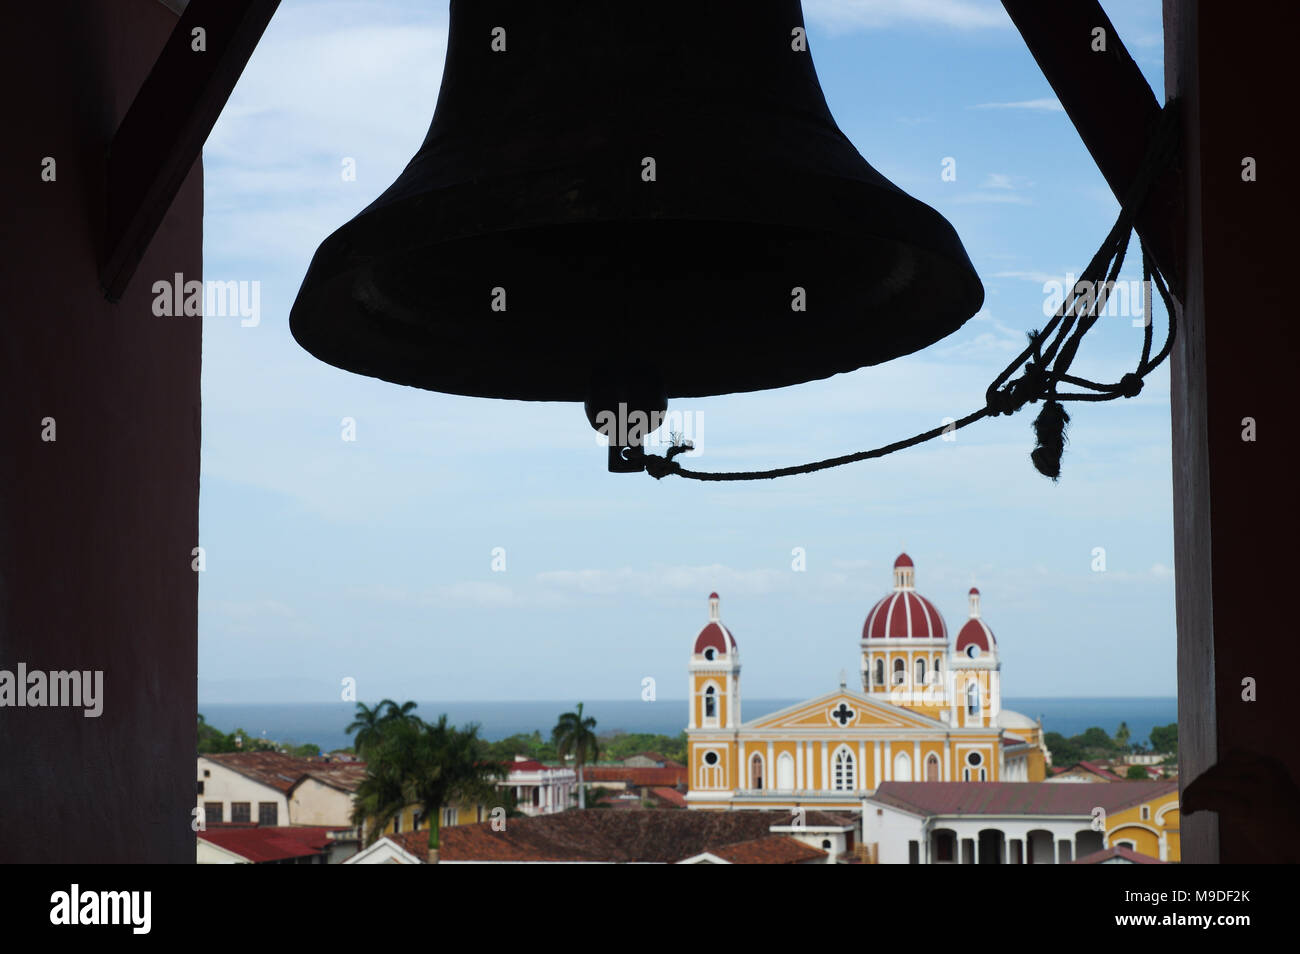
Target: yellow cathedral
[(926, 712)]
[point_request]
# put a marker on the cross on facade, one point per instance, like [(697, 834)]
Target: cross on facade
[(843, 715)]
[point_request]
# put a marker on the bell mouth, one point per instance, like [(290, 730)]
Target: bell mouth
[(708, 307)]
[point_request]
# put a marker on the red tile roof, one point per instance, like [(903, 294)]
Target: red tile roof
[(278, 843), (1016, 798), (415, 842), (669, 795), (772, 850), (527, 765), (656, 757), (1096, 769), (283, 772), (670, 776), (1128, 854), (615, 836)]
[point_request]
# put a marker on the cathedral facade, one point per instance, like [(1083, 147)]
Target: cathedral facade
[(928, 710)]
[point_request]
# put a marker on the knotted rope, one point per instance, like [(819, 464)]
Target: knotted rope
[(1047, 358)]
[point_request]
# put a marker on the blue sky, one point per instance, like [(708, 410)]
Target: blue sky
[(371, 559)]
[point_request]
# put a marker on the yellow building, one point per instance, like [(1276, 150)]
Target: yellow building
[(1150, 828), (461, 813), (926, 712)]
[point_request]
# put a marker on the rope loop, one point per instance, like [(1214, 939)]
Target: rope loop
[(1045, 362)]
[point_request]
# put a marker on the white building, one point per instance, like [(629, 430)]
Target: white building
[(541, 789), (272, 789), (1014, 823)]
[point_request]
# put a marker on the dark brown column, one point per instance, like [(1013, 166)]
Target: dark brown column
[(1235, 525), (96, 526)]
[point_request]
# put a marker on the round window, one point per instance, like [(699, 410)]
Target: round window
[(972, 650), (709, 653), (710, 758), (974, 758)]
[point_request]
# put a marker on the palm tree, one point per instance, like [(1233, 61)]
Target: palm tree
[(575, 736), (429, 765), (1122, 735), (390, 761), (367, 724), (450, 769), (393, 711)]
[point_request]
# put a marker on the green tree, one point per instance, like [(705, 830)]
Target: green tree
[(366, 725), (429, 765), (1065, 752), (1122, 735), (211, 739), (1164, 738), (393, 711), (1136, 772), (531, 745), (619, 745), (575, 736), (245, 741), (1095, 738)]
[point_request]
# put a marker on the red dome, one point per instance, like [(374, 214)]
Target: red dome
[(975, 633), (904, 614), (714, 635)]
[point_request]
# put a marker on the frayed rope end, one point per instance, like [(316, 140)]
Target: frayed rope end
[(1049, 435)]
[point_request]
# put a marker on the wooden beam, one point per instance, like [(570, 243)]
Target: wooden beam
[(1232, 394), (1112, 107), (163, 132)]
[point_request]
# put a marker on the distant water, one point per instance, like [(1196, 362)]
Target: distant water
[(324, 723)]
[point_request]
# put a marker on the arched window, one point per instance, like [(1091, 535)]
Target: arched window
[(785, 772), (880, 672), (900, 672), (920, 671), (902, 767), (756, 772), (972, 699), (932, 768), (844, 776), (710, 703)]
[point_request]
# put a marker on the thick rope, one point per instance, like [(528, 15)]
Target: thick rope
[(1047, 358)]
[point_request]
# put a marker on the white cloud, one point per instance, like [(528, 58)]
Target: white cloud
[(1040, 105)]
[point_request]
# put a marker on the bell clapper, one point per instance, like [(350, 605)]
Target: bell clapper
[(625, 405)]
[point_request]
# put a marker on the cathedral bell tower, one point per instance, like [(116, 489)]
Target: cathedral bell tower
[(977, 672), (715, 675)]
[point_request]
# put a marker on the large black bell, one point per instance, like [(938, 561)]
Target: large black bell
[(650, 191)]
